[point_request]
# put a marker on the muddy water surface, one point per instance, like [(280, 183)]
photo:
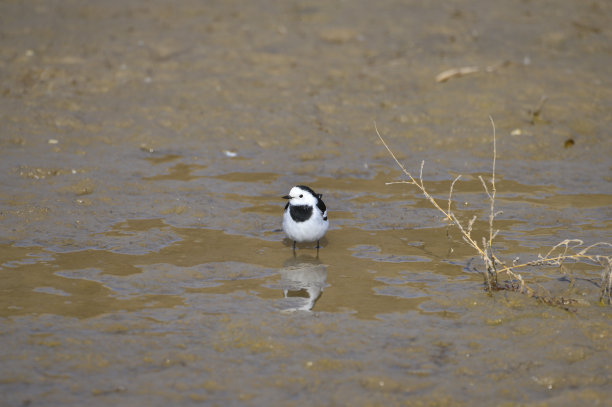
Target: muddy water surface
[(144, 148)]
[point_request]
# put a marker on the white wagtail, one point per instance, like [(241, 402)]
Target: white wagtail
[(305, 217)]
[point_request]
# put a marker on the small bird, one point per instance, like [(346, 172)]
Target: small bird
[(305, 217)]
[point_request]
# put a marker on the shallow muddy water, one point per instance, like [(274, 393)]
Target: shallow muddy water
[(144, 149)]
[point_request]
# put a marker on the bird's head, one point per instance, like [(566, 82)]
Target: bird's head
[(302, 195)]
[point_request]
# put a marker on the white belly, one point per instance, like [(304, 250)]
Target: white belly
[(309, 231)]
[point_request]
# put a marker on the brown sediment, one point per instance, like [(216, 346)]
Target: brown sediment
[(144, 149)]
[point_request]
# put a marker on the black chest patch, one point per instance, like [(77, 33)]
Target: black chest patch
[(300, 213)]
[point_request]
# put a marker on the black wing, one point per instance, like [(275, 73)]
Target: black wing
[(321, 206)]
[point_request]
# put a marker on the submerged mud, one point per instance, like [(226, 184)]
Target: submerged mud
[(144, 149)]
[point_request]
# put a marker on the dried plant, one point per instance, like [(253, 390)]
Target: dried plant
[(569, 250)]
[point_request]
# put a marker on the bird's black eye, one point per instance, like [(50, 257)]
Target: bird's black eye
[(301, 196)]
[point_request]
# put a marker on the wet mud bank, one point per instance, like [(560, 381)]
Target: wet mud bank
[(144, 149)]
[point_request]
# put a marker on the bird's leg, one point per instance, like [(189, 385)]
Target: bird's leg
[(294, 245), (318, 245)]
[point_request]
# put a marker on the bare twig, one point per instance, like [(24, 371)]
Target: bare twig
[(448, 214), (571, 250), (468, 70), (456, 72), (450, 195), (606, 283), (412, 180)]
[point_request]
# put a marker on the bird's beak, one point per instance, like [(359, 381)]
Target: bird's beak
[(287, 197)]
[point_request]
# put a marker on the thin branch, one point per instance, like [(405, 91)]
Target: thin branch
[(493, 189), (393, 155), (569, 248), (450, 193), (412, 180), (421, 172)]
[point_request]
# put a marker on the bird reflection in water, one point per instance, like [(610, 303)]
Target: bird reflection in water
[(302, 281)]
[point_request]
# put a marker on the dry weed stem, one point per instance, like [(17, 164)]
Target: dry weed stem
[(569, 250)]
